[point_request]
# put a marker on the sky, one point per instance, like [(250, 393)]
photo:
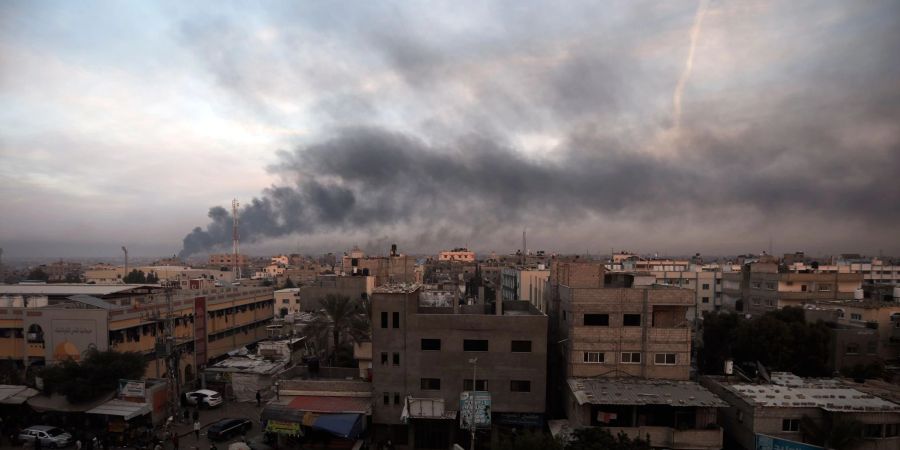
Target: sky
[(672, 127)]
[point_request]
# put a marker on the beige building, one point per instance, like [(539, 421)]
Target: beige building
[(884, 317), (525, 284), (803, 410), (227, 259), (423, 349), (763, 288), (619, 337), (395, 268), (457, 254)]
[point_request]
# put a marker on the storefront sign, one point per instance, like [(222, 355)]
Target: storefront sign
[(275, 426), (519, 419), (132, 388), (481, 408)]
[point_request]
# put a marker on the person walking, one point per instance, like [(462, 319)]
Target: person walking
[(197, 429), (258, 399), (175, 440)]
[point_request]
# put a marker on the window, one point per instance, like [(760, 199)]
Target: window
[(475, 345), (770, 285), (431, 344), (431, 384), (594, 357), (384, 319), (631, 358), (396, 398), (631, 320), (396, 319), (596, 320), (852, 349), (855, 316), (802, 288), (790, 424), (892, 429), (383, 358), (481, 385), (387, 398), (665, 359), (519, 386), (872, 430), (285, 302), (705, 299), (520, 347), (396, 359), (705, 285), (824, 287)]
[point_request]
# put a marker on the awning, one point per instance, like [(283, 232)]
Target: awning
[(58, 403), (15, 394), (344, 425), (121, 408)]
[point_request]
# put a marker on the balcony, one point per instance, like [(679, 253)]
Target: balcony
[(672, 438)]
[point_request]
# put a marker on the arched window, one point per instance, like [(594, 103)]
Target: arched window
[(35, 333)]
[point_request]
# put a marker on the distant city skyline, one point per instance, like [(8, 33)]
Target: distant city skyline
[(676, 127)]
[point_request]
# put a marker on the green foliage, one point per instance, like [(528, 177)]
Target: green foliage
[(267, 282), (97, 374), (781, 340), (594, 438), (531, 440), (38, 274), (152, 278), (73, 278), (135, 277), (288, 284), (340, 316)]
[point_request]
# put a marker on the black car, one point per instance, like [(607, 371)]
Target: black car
[(226, 428)]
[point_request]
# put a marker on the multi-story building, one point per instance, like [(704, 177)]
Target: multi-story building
[(874, 271), (43, 324), (227, 260), (457, 254), (525, 284), (763, 288), (618, 336), (804, 410), (424, 351), (883, 317), (394, 268)]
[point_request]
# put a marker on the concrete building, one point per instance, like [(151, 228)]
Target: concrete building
[(884, 317), (227, 260), (394, 268), (525, 284), (852, 344), (763, 288), (457, 254), (354, 287), (421, 355), (287, 301), (43, 324), (619, 335), (803, 410)]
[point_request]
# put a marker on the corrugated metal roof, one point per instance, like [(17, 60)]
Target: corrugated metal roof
[(92, 301), (613, 391), (15, 394), (829, 398)]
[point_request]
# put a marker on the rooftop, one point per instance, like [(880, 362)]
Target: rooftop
[(790, 391), (70, 289), (397, 288), (614, 391)]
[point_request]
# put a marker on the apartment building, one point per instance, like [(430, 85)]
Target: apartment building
[(874, 271), (882, 317), (525, 284), (619, 335), (457, 254), (804, 410), (43, 324), (763, 288), (394, 268), (227, 259), (425, 349)]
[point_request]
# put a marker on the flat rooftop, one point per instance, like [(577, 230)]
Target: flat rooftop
[(790, 391), (60, 289), (615, 391)]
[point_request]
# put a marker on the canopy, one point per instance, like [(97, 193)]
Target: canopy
[(344, 425), (121, 408), (15, 394)]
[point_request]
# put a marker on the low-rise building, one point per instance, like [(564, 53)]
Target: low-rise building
[(804, 410), (525, 284), (457, 254)]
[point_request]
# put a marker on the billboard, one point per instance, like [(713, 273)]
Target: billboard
[(764, 442), (482, 409), (200, 331)]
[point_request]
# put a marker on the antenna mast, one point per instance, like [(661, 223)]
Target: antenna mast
[(236, 269)]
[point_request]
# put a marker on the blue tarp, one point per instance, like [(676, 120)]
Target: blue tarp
[(344, 425)]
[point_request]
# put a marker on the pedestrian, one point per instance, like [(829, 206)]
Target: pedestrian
[(175, 440), (197, 429), (258, 399), (37, 443), (196, 414), (78, 444)]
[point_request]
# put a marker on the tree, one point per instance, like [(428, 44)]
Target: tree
[(38, 274), (94, 376), (135, 277), (340, 316), (594, 438), (152, 278), (288, 284)]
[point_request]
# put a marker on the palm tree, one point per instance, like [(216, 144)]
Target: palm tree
[(342, 316)]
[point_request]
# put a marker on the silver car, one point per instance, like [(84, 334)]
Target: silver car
[(51, 437)]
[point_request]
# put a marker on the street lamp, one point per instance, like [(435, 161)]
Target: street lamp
[(474, 362)]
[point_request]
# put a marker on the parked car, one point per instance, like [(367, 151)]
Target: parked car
[(203, 397), (51, 437), (227, 428)]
